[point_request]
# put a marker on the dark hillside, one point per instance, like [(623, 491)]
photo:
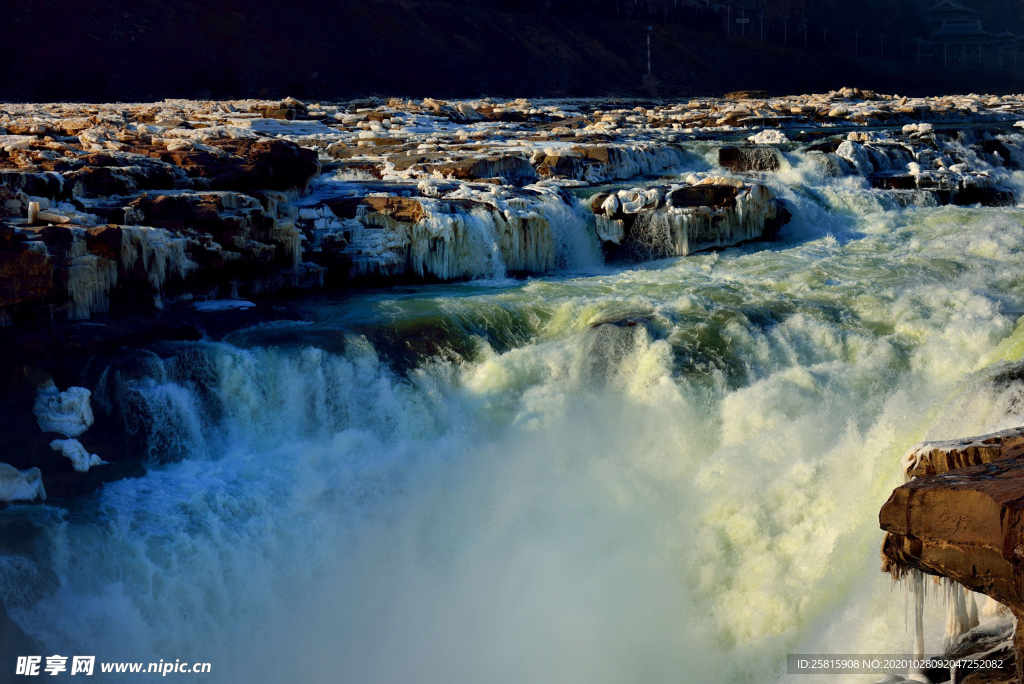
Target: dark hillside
[(144, 50)]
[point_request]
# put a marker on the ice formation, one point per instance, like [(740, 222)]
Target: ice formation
[(68, 413), (683, 219), (958, 617), (159, 251), (81, 459), (769, 136), (469, 233), (20, 485)]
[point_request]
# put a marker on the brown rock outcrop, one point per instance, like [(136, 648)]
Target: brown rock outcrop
[(747, 95), (26, 272), (962, 518)]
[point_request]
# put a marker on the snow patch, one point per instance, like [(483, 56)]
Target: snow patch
[(769, 136)]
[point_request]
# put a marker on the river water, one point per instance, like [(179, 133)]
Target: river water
[(659, 472)]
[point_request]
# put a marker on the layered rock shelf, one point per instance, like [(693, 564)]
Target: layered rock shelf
[(134, 207), (960, 518)]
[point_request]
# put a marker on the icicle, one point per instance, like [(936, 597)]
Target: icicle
[(90, 278), (993, 608), (972, 609), (957, 620), (160, 253), (489, 237), (918, 589)]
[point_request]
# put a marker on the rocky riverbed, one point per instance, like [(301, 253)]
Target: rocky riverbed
[(155, 260), (196, 208)]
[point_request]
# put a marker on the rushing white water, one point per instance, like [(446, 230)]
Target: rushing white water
[(469, 483)]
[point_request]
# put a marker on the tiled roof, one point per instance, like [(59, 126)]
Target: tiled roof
[(970, 29)]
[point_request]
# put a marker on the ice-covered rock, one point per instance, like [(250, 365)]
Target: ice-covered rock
[(80, 458), (20, 485), (68, 413), (651, 223), (769, 136), (932, 458)]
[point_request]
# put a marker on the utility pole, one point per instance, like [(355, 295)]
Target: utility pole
[(649, 29), (761, 17), (785, 30), (743, 21), (803, 27), (728, 18), (824, 33)]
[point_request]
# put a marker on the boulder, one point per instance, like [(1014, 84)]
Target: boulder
[(749, 158), (243, 164), (70, 484), (654, 223), (26, 271), (965, 524), (893, 181)]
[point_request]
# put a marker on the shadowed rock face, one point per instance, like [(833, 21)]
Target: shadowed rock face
[(742, 159)]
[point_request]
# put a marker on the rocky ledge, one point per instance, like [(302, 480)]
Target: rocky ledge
[(960, 517)]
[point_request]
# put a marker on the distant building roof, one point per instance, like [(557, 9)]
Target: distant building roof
[(949, 6), (960, 30), (1006, 35)]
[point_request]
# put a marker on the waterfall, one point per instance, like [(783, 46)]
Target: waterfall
[(594, 473)]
